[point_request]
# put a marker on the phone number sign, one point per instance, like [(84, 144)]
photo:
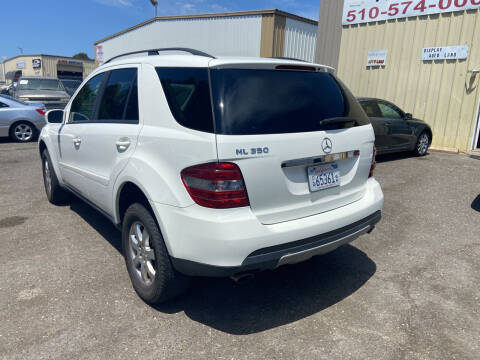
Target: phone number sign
[(362, 11)]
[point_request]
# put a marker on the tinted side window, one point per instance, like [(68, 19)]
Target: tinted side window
[(131, 112), (115, 103), (3, 105), (389, 111), (188, 96), (83, 105), (371, 108)]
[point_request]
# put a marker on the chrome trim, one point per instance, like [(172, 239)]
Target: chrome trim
[(322, 249), (324, 159)]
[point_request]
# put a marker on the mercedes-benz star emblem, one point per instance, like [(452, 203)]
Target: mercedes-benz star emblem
[(327, 145)]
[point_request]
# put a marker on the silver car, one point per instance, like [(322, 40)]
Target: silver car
[(20, 121), (42, 90)]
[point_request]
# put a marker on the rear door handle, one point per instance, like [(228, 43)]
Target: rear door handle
[(77, 141), (123, 144)]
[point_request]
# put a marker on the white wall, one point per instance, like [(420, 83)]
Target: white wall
[(300, 40), (238, 35)]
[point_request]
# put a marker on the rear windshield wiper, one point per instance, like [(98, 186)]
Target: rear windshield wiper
[(338, 120)]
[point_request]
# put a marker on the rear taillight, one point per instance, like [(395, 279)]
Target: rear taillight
[(216, 185), (374, 162), (40, 111)]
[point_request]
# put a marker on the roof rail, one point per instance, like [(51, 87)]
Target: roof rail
[(152, 52)]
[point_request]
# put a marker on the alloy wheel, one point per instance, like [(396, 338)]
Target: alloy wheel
[(422, 144), (142, 254), (23, 132), (47, 175)]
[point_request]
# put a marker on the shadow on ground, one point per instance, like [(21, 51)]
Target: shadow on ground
[(271, 299), (398, 156), (476, 204), (99, 222)]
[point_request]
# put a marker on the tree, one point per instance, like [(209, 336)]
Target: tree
[(81, 56)]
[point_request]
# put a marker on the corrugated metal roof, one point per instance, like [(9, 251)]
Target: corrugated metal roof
[(214, 15)]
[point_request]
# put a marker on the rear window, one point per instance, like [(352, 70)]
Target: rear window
[(255, 102), (188, 95), (251, 102)]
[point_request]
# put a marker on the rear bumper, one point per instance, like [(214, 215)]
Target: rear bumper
[(210, 242), (291, 253)]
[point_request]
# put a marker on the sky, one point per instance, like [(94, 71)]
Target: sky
[(67, 27)]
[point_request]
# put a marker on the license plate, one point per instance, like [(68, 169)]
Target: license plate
[(323, 177)]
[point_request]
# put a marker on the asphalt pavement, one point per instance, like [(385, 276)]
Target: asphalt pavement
[(409, 290)]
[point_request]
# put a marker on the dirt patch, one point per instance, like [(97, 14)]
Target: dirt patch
[(12, 221)]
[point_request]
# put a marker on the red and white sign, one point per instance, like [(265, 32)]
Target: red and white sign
[(377, 58), (99, 54), (362, 11)]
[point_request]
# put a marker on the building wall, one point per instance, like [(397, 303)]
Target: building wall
[(11, 65), (273, 36), (88, 67), (239, 35), (441, 92), (329, 32), (49, 65), (300, 40)]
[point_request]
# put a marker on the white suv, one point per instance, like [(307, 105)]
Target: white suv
[(215, 166)]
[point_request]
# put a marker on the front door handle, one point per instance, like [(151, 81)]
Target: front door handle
[(123, 144), (77, 141)]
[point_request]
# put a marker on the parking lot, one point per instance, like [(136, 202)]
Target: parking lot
[(407, 291)]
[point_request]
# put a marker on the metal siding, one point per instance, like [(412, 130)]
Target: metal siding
[(441, 92), (49, 66), (300, 40), (88, 68), (219, 36), (329, 32)]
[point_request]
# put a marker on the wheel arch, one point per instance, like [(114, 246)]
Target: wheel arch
[(42, 146), (429, 132), (129, 192)]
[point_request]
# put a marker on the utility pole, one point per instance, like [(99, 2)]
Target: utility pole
[(155, 4)]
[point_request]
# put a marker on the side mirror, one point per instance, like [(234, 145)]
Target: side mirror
[(408, 116), (54, 116)]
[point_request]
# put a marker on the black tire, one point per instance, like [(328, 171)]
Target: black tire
[(166, 283), (423, 142), (23, 131), (55, 193)]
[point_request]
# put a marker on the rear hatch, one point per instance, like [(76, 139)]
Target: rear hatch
[(301, 140)]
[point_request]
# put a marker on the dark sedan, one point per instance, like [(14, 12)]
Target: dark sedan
[(395, 130)]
